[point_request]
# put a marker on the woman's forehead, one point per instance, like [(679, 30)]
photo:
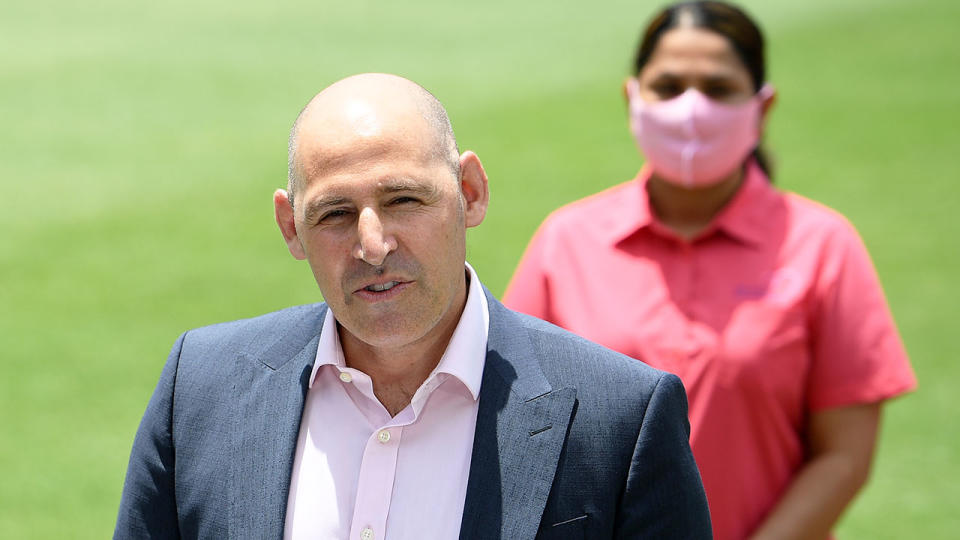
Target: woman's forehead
[(691, 44)]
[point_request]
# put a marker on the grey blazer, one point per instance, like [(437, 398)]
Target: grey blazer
[(572, 440)]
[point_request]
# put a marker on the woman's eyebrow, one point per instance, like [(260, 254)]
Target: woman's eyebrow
[(719, 78)]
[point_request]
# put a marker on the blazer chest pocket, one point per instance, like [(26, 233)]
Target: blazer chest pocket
[(574, 528)]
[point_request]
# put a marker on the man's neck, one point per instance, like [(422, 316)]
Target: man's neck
[(397, 372)]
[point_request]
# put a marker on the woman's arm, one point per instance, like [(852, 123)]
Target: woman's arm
[(841, 446)]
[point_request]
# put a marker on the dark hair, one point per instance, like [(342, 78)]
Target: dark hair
[(725, 19)]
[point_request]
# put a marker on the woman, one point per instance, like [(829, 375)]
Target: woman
[(764, 303)]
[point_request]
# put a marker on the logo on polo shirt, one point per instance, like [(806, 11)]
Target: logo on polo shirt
[(784, 287)]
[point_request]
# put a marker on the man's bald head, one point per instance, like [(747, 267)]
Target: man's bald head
[(369, 105)]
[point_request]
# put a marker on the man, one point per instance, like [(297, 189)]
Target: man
[(412, 404)]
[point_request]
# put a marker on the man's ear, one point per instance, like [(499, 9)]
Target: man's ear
[(284, 213), (475, 189)]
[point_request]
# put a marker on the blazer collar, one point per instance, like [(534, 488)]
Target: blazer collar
[(521, 426), (271, 386)]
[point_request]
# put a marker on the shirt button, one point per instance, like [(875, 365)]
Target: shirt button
[(366, 534), (384, 437), (345, 377)]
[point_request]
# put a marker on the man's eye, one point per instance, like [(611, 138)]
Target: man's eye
[(333, 216), (403, 201)]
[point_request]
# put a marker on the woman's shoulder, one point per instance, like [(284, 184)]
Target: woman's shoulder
[(811, 219), (594, 211)]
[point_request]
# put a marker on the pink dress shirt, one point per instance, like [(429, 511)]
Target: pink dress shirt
[(360, 474), (773, 312)]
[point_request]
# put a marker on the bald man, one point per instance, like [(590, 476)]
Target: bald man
[(411, 404)]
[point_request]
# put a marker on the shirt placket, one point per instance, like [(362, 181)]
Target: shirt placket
[(684, 350), (695, 298), (375, 484), (378, 469)]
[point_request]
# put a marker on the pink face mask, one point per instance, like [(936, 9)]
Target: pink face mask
[(691, 140)]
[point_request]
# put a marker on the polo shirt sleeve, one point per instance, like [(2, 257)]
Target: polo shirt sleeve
[(529, 289), (858, 356)]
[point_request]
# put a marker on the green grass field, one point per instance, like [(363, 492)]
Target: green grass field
[(140, 144)]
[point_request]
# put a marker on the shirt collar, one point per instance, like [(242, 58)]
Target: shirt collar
[(632, 211), (742, 218), (463, 358), (745, 216)]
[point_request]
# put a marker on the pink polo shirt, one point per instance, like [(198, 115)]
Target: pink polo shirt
[(360, 474), (773, 312)]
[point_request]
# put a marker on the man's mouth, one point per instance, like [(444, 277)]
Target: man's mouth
[(380, 287)]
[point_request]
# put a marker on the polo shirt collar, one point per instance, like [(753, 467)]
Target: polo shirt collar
[(633, 211), (745, 216), (742, 218)]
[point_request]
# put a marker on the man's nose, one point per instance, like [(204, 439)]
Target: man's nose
[(373, 242)]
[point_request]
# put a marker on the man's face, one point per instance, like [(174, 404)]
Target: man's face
[(381, 221)]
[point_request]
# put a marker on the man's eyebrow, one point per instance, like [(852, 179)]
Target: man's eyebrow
[(318, 205), (399, 185), (406, 185)]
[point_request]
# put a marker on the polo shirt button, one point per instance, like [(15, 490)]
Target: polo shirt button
[(345, 377), (366, 534), (384, 437)]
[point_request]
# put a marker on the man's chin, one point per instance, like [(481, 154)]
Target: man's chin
[(384, 331)]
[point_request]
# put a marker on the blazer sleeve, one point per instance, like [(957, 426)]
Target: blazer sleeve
[(148, 508), (664, 495)]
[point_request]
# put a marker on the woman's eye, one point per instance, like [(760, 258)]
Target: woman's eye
[(667, 90), (717, 92)]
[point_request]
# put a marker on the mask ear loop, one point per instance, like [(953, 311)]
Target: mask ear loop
[(766, 92), (633, 89), (634, 103)]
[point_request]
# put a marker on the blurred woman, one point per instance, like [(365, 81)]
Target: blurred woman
[(764, 303)]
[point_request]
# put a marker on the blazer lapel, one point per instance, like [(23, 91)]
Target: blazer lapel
[(271, 386), (521, 428)]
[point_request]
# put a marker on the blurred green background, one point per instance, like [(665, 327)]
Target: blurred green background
[(140, 143)]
